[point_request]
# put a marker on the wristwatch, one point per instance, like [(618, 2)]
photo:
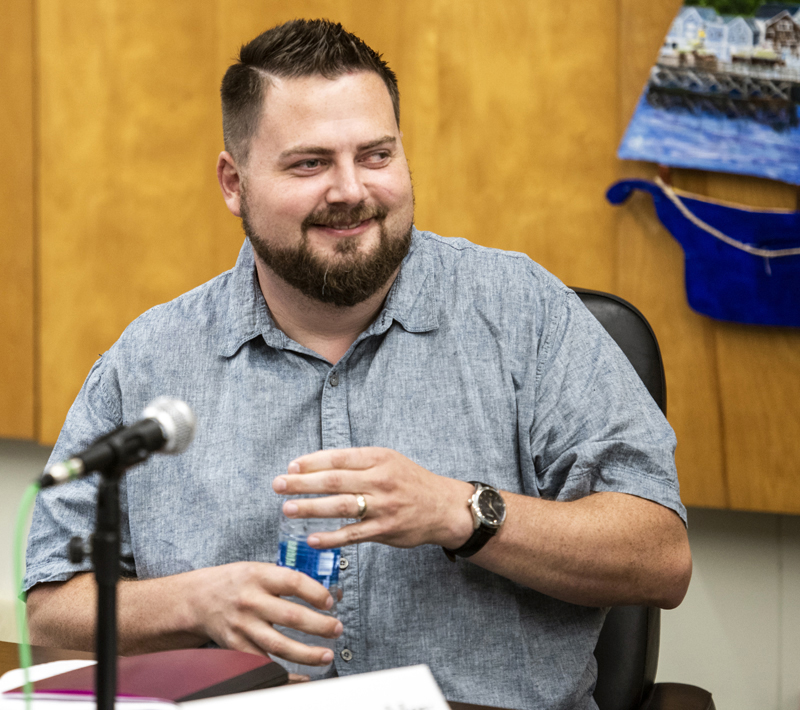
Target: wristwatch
[(488, 514)]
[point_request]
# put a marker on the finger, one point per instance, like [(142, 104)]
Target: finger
[(297, 616), (277, 644), (321, 482), (339, 506), (260, 639), (284, 582), (365, 531), (349, 459), (297, 652), (283, 612)]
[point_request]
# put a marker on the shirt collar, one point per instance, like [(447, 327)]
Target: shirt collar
[(246, 314), (413, 300)]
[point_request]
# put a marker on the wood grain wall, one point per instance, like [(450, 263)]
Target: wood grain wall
[(734, 390), (511, 114), (17, 314)]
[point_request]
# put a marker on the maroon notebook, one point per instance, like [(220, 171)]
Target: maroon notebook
[(186, 674)]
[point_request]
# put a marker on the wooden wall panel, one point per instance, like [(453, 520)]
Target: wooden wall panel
[(17, 221), (525, 137), (734, 391), (130, 211), (759, 370), (651, 277), (760, 382)]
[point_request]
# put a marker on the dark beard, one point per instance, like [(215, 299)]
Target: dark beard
[(346, 281)]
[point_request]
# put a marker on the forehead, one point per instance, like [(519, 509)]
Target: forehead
[(326, 112)]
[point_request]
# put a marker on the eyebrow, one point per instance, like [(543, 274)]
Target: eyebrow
[(319, 150)]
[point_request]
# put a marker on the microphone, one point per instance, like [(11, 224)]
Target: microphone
[(167, 427)]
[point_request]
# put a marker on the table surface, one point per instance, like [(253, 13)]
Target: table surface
[(9, 659)]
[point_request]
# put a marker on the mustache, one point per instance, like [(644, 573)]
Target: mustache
[(338, 218)]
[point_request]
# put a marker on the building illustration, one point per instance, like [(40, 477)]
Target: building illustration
[(736, 67), (723, 94)]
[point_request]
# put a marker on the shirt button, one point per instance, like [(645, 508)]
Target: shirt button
[(334, 379), (343, 563), (347, 654)]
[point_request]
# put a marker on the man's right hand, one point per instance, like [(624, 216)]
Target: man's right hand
[(234, 605), (237, 605)]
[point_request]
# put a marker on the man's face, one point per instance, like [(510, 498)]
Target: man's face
[(326, 197)]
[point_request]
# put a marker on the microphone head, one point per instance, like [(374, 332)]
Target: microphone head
[(176, 420)]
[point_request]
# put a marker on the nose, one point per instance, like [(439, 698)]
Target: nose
[(346, 186)]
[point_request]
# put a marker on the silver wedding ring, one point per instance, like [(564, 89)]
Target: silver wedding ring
[(362, 506)]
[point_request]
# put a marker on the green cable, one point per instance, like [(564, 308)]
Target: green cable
[(23, 513)]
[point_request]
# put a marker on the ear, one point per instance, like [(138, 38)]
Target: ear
[(230, 180)]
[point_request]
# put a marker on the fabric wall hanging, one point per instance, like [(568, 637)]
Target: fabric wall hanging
[(741, 264), (723, 96)]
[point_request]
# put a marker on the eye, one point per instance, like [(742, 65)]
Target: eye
[(310, 164), (378, 158)]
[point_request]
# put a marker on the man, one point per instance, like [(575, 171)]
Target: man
[(350, 355)]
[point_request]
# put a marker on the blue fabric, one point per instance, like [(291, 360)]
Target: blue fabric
[(722, 281), (481, 366)]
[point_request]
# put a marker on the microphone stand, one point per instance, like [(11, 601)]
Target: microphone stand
[(105, 558), (105, 554)]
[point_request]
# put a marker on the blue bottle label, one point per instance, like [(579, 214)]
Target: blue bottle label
[(321, 565)]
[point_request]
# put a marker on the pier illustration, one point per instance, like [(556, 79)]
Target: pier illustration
[(731, 67)]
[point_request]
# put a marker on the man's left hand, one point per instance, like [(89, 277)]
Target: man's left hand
[(407, 505)]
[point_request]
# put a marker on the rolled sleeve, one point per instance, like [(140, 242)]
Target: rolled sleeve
[(597, 429), (66, 511)]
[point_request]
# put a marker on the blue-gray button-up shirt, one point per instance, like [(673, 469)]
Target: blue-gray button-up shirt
[(480, 366)]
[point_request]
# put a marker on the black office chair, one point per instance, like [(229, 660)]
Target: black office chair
[(627, 650)]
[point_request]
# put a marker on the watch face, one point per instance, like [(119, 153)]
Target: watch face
[(491, 507)]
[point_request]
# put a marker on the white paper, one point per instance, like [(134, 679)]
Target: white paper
[(411, 688), (15, 678)]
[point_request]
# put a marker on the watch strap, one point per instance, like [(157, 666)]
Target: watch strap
[(480, 536)]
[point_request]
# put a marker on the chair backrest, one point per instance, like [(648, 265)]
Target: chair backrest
[(627, 650)]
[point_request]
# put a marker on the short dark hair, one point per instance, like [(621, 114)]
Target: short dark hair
[(293, 49)]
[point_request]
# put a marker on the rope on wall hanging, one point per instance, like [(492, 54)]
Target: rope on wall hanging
[(741, 264)]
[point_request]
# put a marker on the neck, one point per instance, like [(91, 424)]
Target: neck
[(326, 329)]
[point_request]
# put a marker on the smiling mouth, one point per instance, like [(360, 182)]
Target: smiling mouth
[(343, 227), (358, 218)]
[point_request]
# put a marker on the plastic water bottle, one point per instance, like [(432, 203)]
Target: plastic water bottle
[(322, 566)]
